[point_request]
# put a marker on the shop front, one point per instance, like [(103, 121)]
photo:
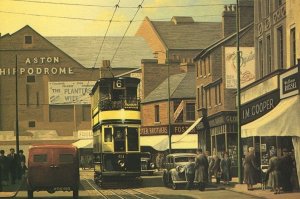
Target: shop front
[(270, 116)]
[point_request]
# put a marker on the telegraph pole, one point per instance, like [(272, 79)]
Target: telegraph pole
[(238, 93), (17, 108)]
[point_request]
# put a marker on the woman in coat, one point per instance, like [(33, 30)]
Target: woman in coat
[(225, 165), (251, 170), (274, 173), (216, 169), (201, 170)]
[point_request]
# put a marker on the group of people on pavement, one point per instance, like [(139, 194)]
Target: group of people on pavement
[(12, 166), (279, 176), (205, 167)]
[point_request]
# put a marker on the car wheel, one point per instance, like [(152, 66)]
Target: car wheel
[(165, 179), (30, 194), (75, 194), (174, 186)]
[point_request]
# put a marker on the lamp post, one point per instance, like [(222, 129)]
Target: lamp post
[(169, 103), (238, 94)]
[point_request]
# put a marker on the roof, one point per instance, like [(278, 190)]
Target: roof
[(182, 86), (223, 40), (184, 33), (84, 49)]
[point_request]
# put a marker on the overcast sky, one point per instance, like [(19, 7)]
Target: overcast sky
[(91, 17)]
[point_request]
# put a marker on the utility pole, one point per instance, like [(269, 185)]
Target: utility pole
[(238, 93), (17, 108), (169, 104)]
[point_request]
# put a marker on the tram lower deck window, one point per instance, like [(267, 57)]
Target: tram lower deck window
[(133, 139), (108, 135)]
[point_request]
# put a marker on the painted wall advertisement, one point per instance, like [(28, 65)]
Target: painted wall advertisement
[(247, 66), (72, 92)]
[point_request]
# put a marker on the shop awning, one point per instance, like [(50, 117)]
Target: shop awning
[(283, 120), (161, 142), (84, 144), (183, 141)]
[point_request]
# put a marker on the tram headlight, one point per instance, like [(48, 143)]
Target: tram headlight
[(152, 165), (180, 169), (121, 163)]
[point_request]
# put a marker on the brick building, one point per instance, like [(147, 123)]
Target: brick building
[(270, 105), (54, 77), (216, 82)]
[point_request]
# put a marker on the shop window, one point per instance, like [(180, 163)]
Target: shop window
[(156, 112), (31, 124), (190, 111), (28, 39)]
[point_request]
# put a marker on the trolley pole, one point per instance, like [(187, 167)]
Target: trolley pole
[(238, 93), (17, 109)]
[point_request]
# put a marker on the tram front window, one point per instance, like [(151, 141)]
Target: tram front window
[(133, 139), (119, 138)]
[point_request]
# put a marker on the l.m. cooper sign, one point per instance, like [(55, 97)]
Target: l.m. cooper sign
[(73, 92), (38, 66), (289, 83), (163, 130), (259, 107)]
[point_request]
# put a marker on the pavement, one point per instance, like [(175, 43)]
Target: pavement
[(10, 191)]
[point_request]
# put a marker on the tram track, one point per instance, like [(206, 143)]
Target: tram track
[(116, 193)]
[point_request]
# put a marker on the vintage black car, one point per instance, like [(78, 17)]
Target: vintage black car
[(174, 172), (147, 165)]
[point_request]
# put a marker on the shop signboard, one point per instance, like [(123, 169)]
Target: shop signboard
[(163, 129), (259, 107), (289, 83)]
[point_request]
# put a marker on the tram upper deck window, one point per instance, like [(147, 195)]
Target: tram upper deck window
[(133, 139), (107, 135)]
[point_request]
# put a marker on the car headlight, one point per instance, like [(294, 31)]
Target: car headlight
[(180, 169), (152, 165), (121, 163)]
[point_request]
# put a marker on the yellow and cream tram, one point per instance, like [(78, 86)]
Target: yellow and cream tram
[(116, 129)]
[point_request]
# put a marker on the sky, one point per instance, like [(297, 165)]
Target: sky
[(91, 17)]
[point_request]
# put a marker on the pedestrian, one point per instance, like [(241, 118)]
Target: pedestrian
[(216, 169), (22, 166), (251, 170), (274, 173), (201, 170), (190, 173), (225, 166), (4, 167), (286, 170), (13, 163), (210, 169), (158, 161)]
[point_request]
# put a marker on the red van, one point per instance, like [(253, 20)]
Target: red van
[(53, 168)]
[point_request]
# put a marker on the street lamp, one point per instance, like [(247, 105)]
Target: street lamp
[(17, 108), (169, 104)]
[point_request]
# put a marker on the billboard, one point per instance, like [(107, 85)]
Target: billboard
[(72, 92), (247, 66)]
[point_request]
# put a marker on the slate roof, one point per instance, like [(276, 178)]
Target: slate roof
[(84, 49), (182, 86), (184, 33)]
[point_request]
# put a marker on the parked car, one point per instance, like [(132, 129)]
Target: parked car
[(147, 165), (174, 172), (53, 168)]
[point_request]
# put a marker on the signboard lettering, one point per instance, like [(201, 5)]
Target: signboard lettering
[(163, 130), (289, 83)]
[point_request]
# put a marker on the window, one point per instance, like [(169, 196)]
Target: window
[(40, 158), (293, 46), (198, 68), (204, 67), (261, 58), (107, 135), (208, 98), (190, 111), (133, 139), (208, 65), (201, 66), (30, 79), (65, 158), (269, 55), (267, 7), (218, 94), (28, 39), (198, 97), (31, 124), (202, 96), (280, 46), (156, 112)]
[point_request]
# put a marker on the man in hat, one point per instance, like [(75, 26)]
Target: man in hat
[(286, 170)]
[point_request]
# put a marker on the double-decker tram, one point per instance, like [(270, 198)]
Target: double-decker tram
[(116, 124)]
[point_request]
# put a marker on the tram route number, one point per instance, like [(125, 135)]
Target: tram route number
[(119, 84)]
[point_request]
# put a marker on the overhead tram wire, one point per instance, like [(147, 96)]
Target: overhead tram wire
[(139, 7), (125, 7)]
